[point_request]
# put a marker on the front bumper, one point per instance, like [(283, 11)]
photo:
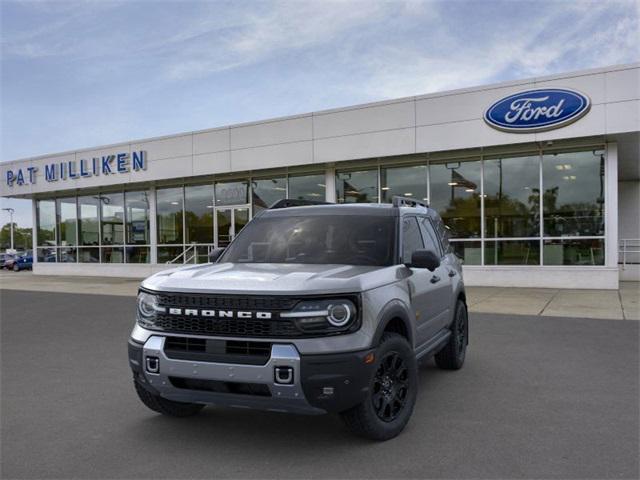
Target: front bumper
[(319, 383)]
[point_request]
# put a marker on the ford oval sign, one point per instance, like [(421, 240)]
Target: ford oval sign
[(537, 110)]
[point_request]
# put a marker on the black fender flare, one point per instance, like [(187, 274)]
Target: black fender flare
[(393, 309)]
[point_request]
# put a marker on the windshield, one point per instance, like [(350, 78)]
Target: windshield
[(337, 239)]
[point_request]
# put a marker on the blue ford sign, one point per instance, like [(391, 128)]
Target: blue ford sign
[(537, 110)]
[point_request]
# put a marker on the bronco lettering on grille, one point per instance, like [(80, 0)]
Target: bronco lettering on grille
[(192, 312)]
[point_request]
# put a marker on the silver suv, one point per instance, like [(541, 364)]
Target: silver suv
[(313, 308)]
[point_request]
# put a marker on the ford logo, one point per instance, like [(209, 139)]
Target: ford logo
[(537, 110)]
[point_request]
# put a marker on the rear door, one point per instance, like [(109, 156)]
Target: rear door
[(422, 289), (442, 291)]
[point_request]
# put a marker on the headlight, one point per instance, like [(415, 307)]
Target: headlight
[(324, 315), (148, 308)]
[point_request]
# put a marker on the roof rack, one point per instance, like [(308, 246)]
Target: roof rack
[(399, 201), (292, 202)]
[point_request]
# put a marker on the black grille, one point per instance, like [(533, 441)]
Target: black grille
[(218, 386), (185, 344), (258, 349), (234, 327), (229, 302)]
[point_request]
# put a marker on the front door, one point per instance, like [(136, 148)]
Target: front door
[(229, 221)]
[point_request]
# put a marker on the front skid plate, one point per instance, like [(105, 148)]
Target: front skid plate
[(284, 398)]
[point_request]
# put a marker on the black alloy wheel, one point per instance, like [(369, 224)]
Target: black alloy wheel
[(390, 387)]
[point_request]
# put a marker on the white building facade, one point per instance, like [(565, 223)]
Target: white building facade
[(537, 180)]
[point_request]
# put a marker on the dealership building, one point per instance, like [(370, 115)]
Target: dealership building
[(536, 179)]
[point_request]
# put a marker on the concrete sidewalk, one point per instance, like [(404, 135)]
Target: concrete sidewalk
[(623, 304)]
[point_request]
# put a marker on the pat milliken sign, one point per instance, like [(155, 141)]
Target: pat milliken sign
[(105, 165), (537, 110)]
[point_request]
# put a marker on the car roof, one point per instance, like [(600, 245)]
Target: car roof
[(369, 209)]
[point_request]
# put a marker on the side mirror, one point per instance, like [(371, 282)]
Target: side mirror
[(215, 254), (424, 259)]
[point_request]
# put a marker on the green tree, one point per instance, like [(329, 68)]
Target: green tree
[(21, 237)]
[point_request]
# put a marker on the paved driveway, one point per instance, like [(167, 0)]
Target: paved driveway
[(538, 397)]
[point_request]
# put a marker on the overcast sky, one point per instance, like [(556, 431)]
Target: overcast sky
[(81, 74)]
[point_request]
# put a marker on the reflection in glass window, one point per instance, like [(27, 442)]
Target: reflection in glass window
[(46, 216), (573, 252), (232, 193), (573, 198), (88, 222), (429, 236), (267, 191), (455, 195), (408, 182), (89, 255), (112, 218), (169, 207), (411, 238), (470, 252), (137, 254), (167, 254), (67, 212), (137, 218), (198, 213), (357, 187), (512, 197), (512, 252), (112, 255), (307, 187)]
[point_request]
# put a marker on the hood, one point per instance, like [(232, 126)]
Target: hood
[(269, 278)]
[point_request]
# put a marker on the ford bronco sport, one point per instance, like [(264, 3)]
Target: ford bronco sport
[(313, 308)]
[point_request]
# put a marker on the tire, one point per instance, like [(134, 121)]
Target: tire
[(452, 356), (164, 406), (16, 268), (392, 392)]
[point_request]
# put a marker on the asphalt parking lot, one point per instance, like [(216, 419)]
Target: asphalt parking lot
[(539, 397)]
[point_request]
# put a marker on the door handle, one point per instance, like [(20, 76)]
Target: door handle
[(452, 273), (435, 279)]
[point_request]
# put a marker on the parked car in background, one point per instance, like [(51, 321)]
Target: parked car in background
[(23, 262), (7, 260)]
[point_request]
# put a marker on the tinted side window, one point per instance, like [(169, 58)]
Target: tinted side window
[(442, 233), (430, 238), (411, 238)]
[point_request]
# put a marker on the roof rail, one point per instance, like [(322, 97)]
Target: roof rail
[(292, 202), (399, 201)]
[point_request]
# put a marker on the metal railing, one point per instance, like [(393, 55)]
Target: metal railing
[(628, 249), (190, 253)]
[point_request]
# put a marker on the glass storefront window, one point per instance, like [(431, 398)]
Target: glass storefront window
[(512, 252), (307, 187), (137, 254), (47, 254), (112, 255), (410, 182), (67, 222), (198, 213), (112, 218), (169, 207), (512, 197), (573, 252), (470, 252), (137, 218), (357, 187), (89, 255), (455, 195), (167, 254), (88, 226), (573, 198), (232, 193), (46, 217), (267, 191), (67, 254)]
